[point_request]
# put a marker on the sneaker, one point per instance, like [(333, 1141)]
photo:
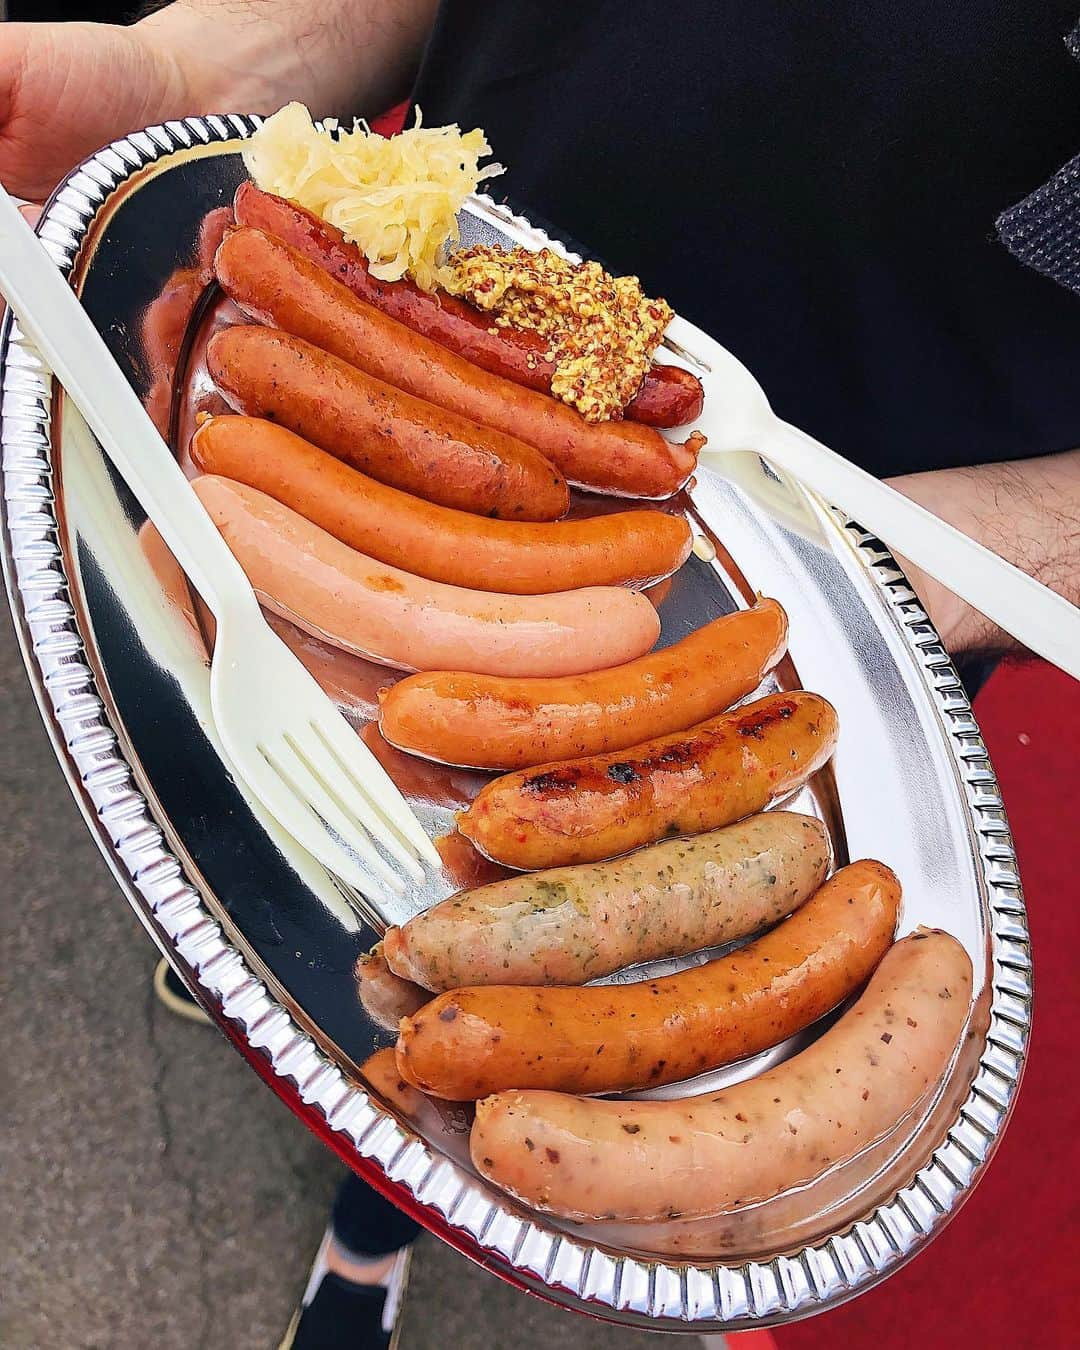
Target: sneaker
[(173, 993), (336, 1314)]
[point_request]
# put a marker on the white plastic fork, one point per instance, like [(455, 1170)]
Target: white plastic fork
[(739, 420), (283, 736)]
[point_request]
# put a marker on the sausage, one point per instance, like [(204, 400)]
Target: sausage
[(574, 924), (471, 1042), (715, 773), (380, 1072), (465, 866), (668, 397), (387, 615), (442, 1123), (488, 723), (516, 557), (381, 430), (386, 998), (166, 319), (715, 1154), (276, 285)]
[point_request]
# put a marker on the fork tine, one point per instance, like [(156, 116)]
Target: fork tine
[(379, 789), (280, 799), (308, 791), (327, 769)]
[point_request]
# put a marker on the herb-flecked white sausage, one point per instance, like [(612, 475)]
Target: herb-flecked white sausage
[(574, 924), (582, 1158), (468, 1043)]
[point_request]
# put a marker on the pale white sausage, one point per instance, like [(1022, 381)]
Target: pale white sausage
[(368, 607)]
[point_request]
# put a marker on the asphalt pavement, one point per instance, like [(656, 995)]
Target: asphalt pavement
[(154, 1192)]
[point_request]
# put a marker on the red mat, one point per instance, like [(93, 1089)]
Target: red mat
[(1005, 1272)]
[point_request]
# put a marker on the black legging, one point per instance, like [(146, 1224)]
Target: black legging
[(366, 1223)]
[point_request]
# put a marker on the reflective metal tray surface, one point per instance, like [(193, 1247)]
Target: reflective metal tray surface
[(118, 662)]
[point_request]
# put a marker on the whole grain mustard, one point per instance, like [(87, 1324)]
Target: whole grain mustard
[(601, 330)]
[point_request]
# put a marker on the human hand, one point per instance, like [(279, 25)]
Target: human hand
[(68, 88)]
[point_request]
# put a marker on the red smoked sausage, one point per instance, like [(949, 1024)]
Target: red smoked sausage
[(277, 285), (669, 395)]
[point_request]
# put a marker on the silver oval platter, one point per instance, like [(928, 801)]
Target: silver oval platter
[(117, 655)]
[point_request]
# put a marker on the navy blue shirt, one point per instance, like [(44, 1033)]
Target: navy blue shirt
[(814, 184)]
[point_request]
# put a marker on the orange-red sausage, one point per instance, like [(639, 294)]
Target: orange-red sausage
[(668, 397), (432, 1119), (488, 723), (380, 1072), (381, 430), (471, 1042), (390, 616), (515, 557), (715, 1154), (572, 924), (277, 285), (719, 771)]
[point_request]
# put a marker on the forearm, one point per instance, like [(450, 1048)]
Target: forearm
[(340, 57), (1027, 511)]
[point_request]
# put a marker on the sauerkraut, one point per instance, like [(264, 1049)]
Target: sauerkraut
[(396, 197)]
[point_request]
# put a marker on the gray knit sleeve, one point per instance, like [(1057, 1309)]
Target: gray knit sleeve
[(1043, 230)]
